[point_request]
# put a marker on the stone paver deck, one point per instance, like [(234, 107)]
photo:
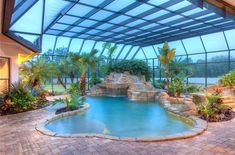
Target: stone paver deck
[(18, 136)]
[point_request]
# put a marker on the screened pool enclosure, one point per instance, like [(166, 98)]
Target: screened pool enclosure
[(202, 32)]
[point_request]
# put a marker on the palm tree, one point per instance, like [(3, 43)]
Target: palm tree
[(36, 72), (85, 61), (66, 66), (166, 55), (180, 66), (111, 50)]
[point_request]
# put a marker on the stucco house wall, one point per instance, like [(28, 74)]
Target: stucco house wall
[(10, 49)]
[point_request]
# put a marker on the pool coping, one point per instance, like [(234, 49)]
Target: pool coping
[(199, 127)]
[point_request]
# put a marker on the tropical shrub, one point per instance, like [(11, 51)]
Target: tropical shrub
[(209, 109), (74, 89), (228, 79), (212, 109), (94, 80), (18, 99), (177, 85), (71, 103), (134, 67), (171, 89), (192, 89), (36, 72), (213, 98)]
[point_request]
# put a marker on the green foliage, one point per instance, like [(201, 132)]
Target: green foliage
[(110, 49), (37, 72), (85, 61), (228, 79), (179, 66), (171, 89), (159, 84), (19, 97), (177, 85), (94, 80), (192, 89), (212, 107), (134, 67), (110, 56), (207, 109), (166, 55), (71, 103), (213, 98), (74, 88)]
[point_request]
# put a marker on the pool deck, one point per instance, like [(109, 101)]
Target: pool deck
[(18, 136)]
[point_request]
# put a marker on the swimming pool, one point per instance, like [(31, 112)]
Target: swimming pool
[(120, 117)]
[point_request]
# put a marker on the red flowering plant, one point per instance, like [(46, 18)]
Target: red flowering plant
[(216, 95), (218, 91)]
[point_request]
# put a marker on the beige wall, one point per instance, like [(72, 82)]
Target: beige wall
[(1, 14), (10, 49)]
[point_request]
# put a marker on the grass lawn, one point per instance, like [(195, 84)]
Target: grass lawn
[(56, 87)]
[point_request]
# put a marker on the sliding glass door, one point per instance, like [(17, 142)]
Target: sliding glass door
[(4, 74)]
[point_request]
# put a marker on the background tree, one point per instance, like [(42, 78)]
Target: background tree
[(85, 61), (166, 55), (37, 72), (110, 51)]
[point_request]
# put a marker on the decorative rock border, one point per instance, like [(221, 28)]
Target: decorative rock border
[(199, 127)]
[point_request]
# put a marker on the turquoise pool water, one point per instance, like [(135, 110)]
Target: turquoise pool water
[(118, 116)]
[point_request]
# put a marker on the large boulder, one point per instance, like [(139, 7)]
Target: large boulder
[(198, 98), (162, 96)]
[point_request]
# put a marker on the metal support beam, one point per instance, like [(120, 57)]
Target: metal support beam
[(93, 47), (153, 71), (68, 48), (89, 14), (160, 70), (135, 53), (18, 13), (229, 52), (144, 53), (101, 53), (198, 3), (80, 50), (128, 52), (53, 52), (205, 61), (19, 5), (155, 50), (42, 24), (187, 58), (60, 15), (120, 52)]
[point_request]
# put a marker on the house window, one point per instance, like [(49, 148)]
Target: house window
[(4, 74)]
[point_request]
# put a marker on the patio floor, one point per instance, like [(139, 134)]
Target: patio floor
[(18, 136)]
